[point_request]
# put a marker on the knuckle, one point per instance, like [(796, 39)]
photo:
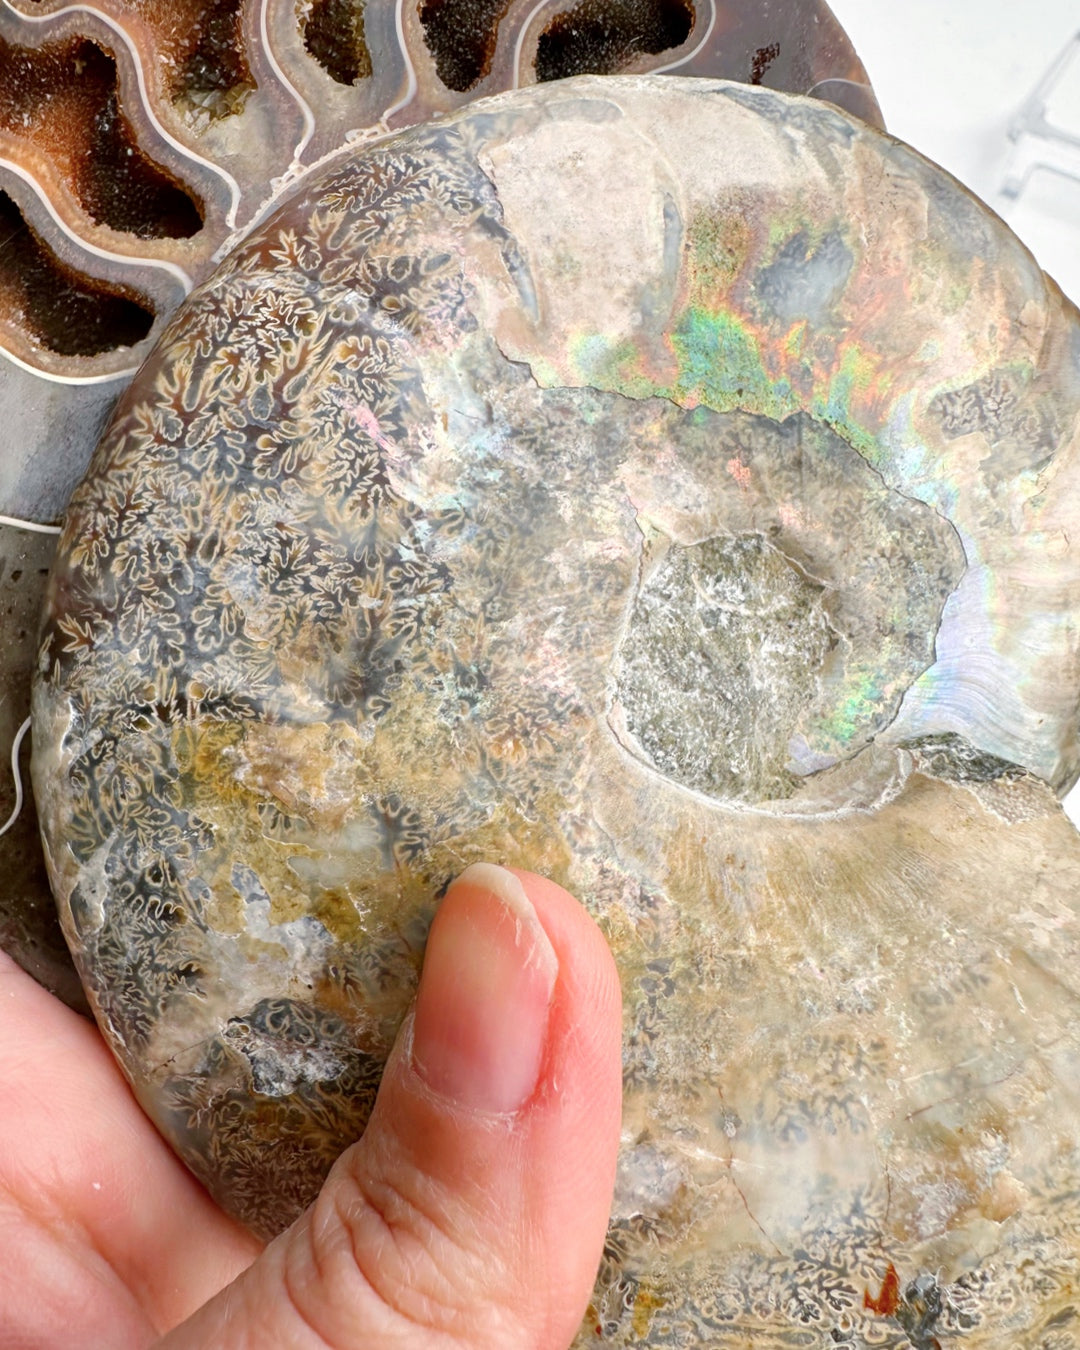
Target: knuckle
[(400, 1251)]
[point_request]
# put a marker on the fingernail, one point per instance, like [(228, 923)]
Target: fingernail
[(485, 993)]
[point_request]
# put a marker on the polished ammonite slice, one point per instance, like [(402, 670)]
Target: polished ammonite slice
[(672, 487)]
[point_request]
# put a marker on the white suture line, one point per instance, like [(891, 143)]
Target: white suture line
[(29, 525), (410, 91), (308, 115), (15, 748), (838, 79), (523, 33), (226, 177), (124, 374), (162, 264), (674, 65)]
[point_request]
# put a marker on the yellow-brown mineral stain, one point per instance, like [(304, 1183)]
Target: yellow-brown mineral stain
[(887, 1301), (645, 1307)]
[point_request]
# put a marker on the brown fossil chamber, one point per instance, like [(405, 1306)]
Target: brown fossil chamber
[(540, 486), (140, 138)]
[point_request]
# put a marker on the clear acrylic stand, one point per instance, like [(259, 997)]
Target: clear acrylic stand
[(1045, 133)]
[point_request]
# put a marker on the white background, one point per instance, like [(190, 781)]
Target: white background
[(950, 75)]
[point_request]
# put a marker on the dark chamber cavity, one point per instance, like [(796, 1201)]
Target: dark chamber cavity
[(461, 36), (121, 188), (215, 76), (67, 314), (65, 94), (602, 37), (334, 35)]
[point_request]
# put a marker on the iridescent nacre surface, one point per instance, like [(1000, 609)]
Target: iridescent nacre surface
[(544, 486), (140, 139)]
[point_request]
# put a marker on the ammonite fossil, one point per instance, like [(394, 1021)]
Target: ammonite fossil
[(139, 139), (546, 486)]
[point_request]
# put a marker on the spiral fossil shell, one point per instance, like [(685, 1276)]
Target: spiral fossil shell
[(140, 138), (547, 487)]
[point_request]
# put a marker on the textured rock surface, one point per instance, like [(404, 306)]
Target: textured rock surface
[(453, 518), (29, 928)]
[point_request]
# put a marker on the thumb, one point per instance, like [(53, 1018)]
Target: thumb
[(471, 1213)]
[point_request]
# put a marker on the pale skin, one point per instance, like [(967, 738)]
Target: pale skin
[(470, 1215)]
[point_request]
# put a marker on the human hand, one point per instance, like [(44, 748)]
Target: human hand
[(469, 1215)]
